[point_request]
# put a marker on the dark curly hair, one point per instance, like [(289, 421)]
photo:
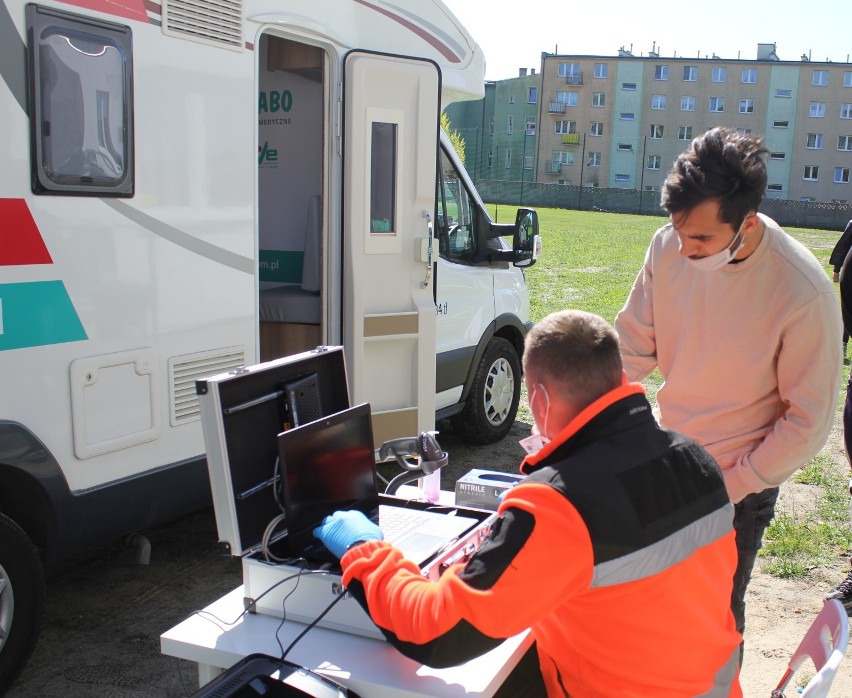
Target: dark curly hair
[(719, 164)]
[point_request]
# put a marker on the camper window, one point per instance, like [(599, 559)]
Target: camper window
[(383, 178), (81, 104), (456, 221)]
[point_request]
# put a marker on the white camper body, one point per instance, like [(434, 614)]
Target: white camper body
[(188, 187)]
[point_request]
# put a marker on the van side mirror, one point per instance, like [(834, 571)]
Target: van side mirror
[(526, 242)]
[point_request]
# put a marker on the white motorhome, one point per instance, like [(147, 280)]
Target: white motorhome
[(191, 186)]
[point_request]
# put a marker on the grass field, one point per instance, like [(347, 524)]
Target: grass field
[(589, 262)]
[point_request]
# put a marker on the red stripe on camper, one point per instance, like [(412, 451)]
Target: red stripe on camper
[(23, 243), (430, 39), (129, 9)]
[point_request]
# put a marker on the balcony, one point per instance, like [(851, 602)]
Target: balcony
[(574, 79), (556, 107), (571, 138), (552, 167)]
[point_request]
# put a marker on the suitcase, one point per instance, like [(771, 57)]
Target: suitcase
[(242, 413)]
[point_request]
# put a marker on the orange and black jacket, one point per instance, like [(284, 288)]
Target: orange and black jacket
[(617, 551)]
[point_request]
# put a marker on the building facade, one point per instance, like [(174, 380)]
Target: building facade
[(500, 129), (621, 121)]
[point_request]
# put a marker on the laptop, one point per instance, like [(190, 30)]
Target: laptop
[(329, 464)]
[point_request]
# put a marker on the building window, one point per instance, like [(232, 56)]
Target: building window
[(563, 157), (749, 75), (775, 187), (661, 72), (844, 142), (847, 78), (777, 156), (622, 178), (687, 103), (490, 157), (654, 162), (594, 159), (744, 131), (814, 141), (652, 188), (528, 162), (787, 94), (780, 124), (846, 111), (841, 175), (530, 126), (690, 73), (747, 106), (490, 125), (658, 102), (656, 131), (811, 173), (817, 110), (719, 74), (570, 71), (601, 70), (510, 125), (563, 126), (532, 95), (684, 133), (598, 99), (627, 116), (820, 78), (629, 86), (569, 99), (596, 128), (508, 159), (717, 104), (625, 147), (511, 99)]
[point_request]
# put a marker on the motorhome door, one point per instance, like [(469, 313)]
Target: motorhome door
[(390, 147)]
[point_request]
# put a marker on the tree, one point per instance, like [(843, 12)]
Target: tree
[(455, 137)]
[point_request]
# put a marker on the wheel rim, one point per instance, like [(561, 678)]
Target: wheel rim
[(499, 392), (7, 606)]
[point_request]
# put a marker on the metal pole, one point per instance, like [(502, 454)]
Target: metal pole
[(582, 165), (642, 172)]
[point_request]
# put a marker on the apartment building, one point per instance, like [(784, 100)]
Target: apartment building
[(621, 121), (500, 129)]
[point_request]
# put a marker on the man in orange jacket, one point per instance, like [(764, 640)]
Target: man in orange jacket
[(617, 550)]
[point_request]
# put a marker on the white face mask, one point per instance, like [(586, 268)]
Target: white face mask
[(720, 259), (535, 442)]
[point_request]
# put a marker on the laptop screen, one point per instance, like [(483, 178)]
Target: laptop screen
[(326, 465)]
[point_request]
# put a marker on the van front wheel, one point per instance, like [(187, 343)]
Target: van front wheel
[(492, 404), (21, 599)]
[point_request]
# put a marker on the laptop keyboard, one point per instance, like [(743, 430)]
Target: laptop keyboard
[(396, 522)]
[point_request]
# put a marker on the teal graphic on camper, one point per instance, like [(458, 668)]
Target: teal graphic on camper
[(281, 265), (37, 313)]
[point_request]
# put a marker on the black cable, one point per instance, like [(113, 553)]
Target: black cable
[(207, 615), (312, 624), (401, 479)]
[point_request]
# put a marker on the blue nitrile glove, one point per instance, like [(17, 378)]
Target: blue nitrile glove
[(343, 528)]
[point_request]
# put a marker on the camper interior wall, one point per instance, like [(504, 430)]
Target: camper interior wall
[(290, 220)]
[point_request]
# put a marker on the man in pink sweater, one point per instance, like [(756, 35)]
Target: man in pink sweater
[(743, 324)]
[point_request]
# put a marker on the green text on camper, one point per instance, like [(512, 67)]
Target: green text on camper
[(274, 101)]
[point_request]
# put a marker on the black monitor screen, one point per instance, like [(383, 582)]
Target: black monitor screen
[(326, 465)]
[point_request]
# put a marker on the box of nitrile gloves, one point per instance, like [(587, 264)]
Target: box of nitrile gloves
[(482, 488)]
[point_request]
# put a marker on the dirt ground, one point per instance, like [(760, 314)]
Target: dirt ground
[(105, 612)]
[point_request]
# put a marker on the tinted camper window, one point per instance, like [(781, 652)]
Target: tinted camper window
[(81, 104)]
